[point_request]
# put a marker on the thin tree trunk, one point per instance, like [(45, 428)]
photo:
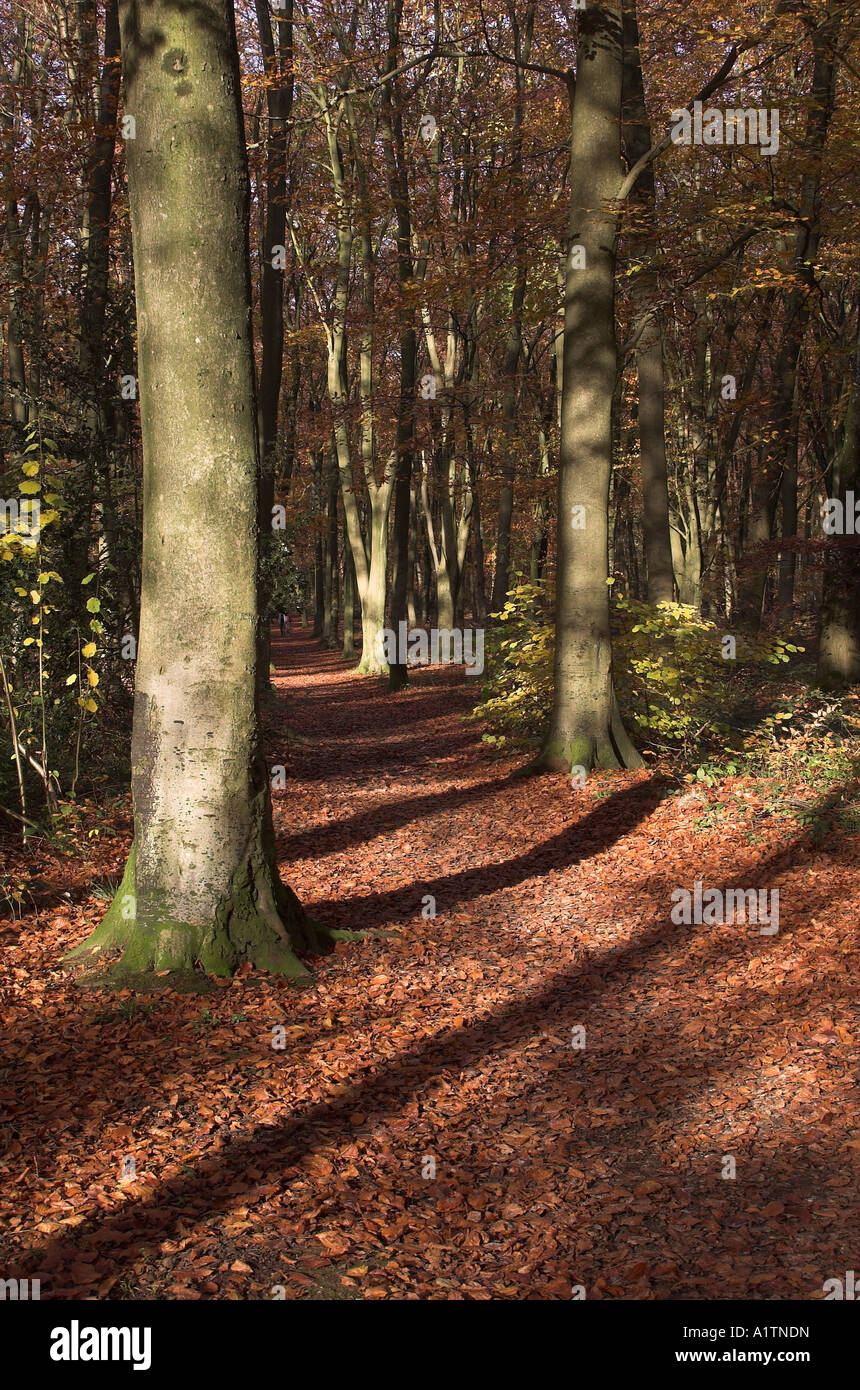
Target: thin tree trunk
[(278, 68), (839, 631), (649, 348), (349, 597)]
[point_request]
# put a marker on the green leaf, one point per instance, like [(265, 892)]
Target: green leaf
[(93, 605)]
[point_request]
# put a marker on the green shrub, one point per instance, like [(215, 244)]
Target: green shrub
[(517, 693), (675, 688)]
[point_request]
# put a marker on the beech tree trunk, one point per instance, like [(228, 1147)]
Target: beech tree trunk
[(649, 348), (201, 884), (585, 727)]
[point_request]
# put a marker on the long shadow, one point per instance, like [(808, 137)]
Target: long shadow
[(608, 822), (373, 757), (605, 829), (394, 1081), (320, 841)]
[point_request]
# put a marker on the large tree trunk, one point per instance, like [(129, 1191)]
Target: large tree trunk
[(201, 884), (586, 727)]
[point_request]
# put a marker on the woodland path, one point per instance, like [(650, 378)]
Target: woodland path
[(450, 1044)]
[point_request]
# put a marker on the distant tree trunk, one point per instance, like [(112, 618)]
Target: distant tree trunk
[(513, 350), (369, 554), (839, 631), (398, 184), (349, 596), (585, 726), (278, 69), (537, 550), (479, 582), (319, 585), (781, 434), (397, 671), (201, 883), (319, 546), (649, 348), (411, 606), (330, 573), (522, 35), (95, 239), (788, 558)]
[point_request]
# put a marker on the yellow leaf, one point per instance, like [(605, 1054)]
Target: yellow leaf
[(92, 676), (88, 649)]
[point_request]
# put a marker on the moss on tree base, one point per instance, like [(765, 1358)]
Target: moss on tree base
[(371, 666), (564, 752), (259, 921)]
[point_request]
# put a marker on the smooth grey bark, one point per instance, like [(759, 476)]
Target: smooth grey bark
[(201, 884), (585, 725)]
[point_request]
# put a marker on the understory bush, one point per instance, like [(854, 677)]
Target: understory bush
[(683, 683)]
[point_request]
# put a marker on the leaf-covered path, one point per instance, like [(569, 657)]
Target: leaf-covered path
[(430, 1128)]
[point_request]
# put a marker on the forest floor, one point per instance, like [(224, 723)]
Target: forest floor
[(429, 1129)]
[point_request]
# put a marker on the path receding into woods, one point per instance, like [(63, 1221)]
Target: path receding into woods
[(430, 1129)]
